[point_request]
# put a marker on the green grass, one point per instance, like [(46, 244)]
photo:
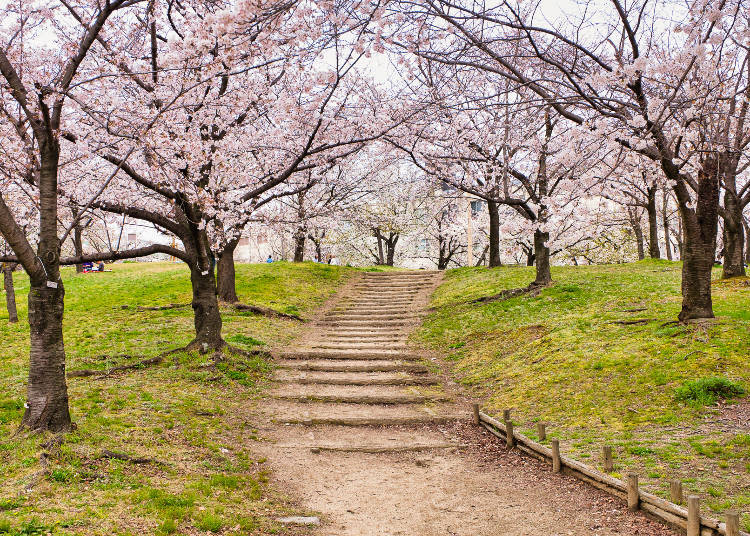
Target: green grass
[(195, 417), (648, 389)]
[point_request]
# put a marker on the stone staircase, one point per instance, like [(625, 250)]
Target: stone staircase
[(356, 370)]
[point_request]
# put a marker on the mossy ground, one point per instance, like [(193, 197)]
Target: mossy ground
[(565, 357), (194, 418)]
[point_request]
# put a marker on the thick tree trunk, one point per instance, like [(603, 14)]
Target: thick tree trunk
[(391, 249), (747, 242), (699, 231), (665, 224), (541, 253), (78, 245), (10, 292), (299, 245), (734, 237), (225, 274), (530, 257), (206, 311), (47, 391), (381, 257), (47, 399), (492, 208), (653, 224), (635, 223)]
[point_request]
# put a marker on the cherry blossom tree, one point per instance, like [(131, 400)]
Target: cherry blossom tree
[(671, 90), (43, 61)]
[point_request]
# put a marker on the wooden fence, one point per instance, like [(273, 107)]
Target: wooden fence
[(687, 519)]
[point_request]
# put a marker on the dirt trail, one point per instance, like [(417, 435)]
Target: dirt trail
[(364, 432)]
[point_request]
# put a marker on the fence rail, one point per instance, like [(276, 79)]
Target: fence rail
[(688, 519)]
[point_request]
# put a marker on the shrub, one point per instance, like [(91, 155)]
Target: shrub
[(706, 391)]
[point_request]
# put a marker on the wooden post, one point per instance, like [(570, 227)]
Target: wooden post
[(609, 465), (510, 441), (633, 495), (541, 431), (675, 491), (733, 523), (556, 465), (506, 415), (475, 409), (694, 515)]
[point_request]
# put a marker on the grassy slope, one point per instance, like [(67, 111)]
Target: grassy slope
[(186, 413), (559, 357)]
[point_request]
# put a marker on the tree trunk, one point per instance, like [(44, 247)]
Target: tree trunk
[(665, 224), (206, 311), (47, 391), (78, 245), (541, 253), (635, 223), (299, 245), (747, 242), (492, 208), (530, 257), (225, 274), (390, 245), (10, 292), (483, 256), (653, 224), (379, 237), (734, 237), (699, 248), (47, 399)]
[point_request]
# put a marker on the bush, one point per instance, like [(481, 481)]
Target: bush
[(706, 391)]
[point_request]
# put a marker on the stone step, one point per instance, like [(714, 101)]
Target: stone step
[(364, 336), (343, 317), (354, 394), (353, 378), (376, 311), (375, 449), (347, 354), (360, 399), (343, 414), (396, 420), (360, 346), (323, 365), (366, 323)]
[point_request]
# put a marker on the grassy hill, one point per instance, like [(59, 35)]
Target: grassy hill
[(598, 357), (192, 418)]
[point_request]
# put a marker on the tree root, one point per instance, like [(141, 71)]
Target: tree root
[(194, 346), (84, 373), (533, 289), (162, 307), (633, 322), (112, 455), (265, 311)]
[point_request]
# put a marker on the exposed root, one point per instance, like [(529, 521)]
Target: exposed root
[(162, 307), (246, 353), (633, 322), (111, 455), (533, 290), (265, 311), (84, 373), (635, 310)]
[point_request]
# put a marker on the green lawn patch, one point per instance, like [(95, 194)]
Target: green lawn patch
[(598, 356), (192, 416)]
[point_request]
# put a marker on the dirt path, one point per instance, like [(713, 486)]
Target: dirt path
[(362, 431)]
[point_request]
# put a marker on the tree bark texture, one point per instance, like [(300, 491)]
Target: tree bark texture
[(10, 292), (225, 273), (734, 237), (665, 224), (541, 252), (492, 208), (699, 244), (635, 223), (207, 316), (653, 224)]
